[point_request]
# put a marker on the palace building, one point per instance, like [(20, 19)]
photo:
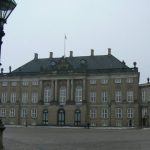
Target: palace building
[(99, 90), (145, 103)]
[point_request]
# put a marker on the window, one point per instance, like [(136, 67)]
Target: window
[(144, 112), (129, 80), (34, 97), (12, 112), (61, 117), (104, 113), (92, 81), (35, 82), (104, 123), (25, 83), (130, 96), (2, 112), (104, 81), (4, 83), (118, 123), (13, 97), (93, 113), (24, 97), (33, 113), (77, 118), (118, 80), (47, 94), (143, 96), (104, 96), (118, 96), (118, 113), (23, 113), (78, 94), (93, 97), (4, 97), (62, 95), (45, 117), (130, 113), (93, 124), (13, 83)]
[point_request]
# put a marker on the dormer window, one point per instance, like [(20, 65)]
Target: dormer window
[(118, 80), (82, 62), (53, 63)]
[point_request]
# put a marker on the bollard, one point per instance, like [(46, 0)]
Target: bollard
[(2, 128)]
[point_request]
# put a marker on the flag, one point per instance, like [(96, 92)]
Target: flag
[(65, 37)]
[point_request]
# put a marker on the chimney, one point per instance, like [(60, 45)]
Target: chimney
[(134, 63), (148, 80), (2, 70), (9, 69), (51, 55), (109, 51), (35, 56), (92, 52), (71, 53)]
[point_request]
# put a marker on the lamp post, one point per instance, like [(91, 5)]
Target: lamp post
[(6, 8)]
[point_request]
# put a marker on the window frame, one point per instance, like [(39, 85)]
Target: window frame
[(34, 113)]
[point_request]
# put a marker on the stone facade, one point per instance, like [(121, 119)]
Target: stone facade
[(145, 104), (71, 96)]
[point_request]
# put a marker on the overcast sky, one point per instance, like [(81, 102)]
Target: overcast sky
[(39, 26)]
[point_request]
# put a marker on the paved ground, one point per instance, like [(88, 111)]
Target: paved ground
[(40, 138)]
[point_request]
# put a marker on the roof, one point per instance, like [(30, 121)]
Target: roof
[(75, 64)]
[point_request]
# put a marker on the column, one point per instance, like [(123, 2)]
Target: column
[(83, 99), (68, 90), (2, 128), (52, 83), (56, 90), (72, 90)]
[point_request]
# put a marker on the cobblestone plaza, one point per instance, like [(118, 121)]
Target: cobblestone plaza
[(48, 138)]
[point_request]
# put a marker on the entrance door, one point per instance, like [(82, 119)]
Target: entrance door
[(61, 117), (45, 117), (77, 118)]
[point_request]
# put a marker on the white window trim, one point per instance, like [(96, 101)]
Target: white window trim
[(93, 113), (62, 95), (104, 96), (4, 97), (92, 81), (118, 80), (93, 97), (13, 97), (24, 113), (24, 97), (12, 113), (104, 113), (34, 97), (3, 112), (118, 113), (34, 113), (118, 96), (104, 81), (130, 113), (130, 96)]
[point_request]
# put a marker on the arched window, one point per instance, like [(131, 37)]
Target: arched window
[(77, 118), (62, 95), (45, 116), (47, 94), (61, 117), (78, 94)]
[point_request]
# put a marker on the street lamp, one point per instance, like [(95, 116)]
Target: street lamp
[(6, 8)]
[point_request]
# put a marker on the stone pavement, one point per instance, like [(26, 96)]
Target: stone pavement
[(47, 138)]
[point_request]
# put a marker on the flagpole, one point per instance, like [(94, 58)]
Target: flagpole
[(65, 45)]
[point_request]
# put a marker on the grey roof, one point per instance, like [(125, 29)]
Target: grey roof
[(88, 63)]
